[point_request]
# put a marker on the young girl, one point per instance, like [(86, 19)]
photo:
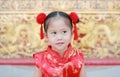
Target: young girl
[(59, 59)]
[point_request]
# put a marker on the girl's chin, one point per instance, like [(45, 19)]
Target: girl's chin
[(60, 49)]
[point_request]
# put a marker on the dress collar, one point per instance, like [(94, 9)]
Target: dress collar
[(55, 53)]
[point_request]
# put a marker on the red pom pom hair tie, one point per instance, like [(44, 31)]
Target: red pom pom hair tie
[(74, 17), (40, 20)]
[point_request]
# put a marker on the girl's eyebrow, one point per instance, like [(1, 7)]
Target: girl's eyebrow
[(51, 30), (64, 29)]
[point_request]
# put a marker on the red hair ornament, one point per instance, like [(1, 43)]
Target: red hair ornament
[(74, 17), (40, 20)]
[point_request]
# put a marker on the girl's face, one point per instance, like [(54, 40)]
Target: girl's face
[(59, 34)]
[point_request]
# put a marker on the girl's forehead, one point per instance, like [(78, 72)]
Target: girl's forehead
[(59, 23), (59, 20)]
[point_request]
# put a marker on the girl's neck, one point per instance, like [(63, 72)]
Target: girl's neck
[(60, 52)]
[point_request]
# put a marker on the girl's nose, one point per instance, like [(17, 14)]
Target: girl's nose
[(59, 36)]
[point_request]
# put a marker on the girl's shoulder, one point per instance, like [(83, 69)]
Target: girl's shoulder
[(77, 54), (39, 54), (38, 58)]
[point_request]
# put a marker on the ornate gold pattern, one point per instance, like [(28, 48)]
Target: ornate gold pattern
[(19, 33)]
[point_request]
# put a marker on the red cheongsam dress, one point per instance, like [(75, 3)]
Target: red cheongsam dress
[(51, 64)]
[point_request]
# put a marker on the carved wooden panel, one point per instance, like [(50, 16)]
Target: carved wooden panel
[(19, 33)]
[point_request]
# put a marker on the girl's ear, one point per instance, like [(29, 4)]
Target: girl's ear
[(46, 35), (72, 32), (46, 39)]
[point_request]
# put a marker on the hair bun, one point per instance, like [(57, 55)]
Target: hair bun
[(40, 18), (74, 17)]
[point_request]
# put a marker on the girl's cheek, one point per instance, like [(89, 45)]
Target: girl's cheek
[(67, 36), (52, 37)]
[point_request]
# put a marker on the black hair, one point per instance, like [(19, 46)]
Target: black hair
[(54, 14)]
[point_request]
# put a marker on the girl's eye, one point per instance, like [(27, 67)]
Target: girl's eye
[(54, 32), (64, 31)]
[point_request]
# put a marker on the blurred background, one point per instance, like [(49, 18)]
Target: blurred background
[(99, 32)]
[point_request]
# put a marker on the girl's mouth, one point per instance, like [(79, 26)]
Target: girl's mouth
[(60, 43)]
